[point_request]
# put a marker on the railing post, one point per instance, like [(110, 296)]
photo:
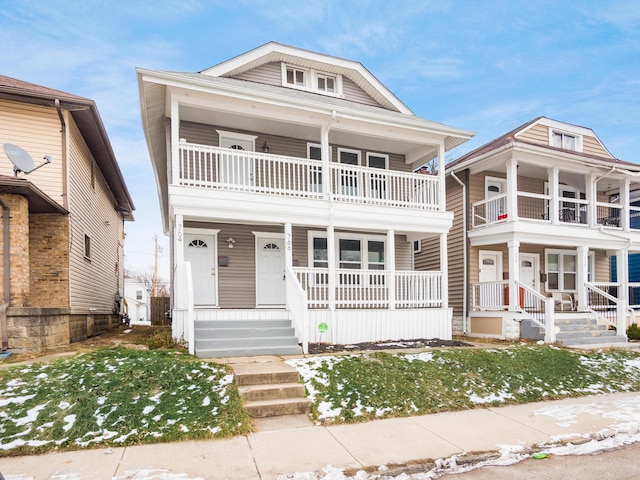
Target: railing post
[(391, 267), (550, 323)]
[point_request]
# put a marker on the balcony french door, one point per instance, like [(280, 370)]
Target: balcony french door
[(236, 168)]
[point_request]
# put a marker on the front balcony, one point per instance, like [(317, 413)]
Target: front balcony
[(539, 208), (207, 167)]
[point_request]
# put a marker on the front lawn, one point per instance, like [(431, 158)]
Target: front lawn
[(356, 388), (116, 397)]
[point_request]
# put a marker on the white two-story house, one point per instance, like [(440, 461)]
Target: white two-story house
[(540, 213), (287, 187)]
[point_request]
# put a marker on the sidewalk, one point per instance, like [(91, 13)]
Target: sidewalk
[(286, 445)]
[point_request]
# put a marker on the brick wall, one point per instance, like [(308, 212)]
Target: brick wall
[(49, 260), (19, 251)]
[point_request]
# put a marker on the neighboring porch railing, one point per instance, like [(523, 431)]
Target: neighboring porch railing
[(370, 288), (534, 206), (602, 301), (538, 308), (205, 166)]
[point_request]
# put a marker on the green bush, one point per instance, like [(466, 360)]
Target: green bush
[(162, 339), (633, 332)]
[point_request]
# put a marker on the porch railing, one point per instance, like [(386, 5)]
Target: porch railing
[(297, 306), (370, 288), (205, 166), (608, 214), (490, 210), (602, 301), (538, 309), (490, 295), (533, 206)]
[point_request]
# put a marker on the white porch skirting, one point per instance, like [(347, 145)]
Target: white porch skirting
[(355, 326)]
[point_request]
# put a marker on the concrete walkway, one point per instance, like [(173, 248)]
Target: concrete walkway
[(292, 444)]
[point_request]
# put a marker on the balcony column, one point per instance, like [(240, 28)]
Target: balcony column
[(390, 265), (591, 197), (331, 281), (582, 275), (175, 140), (514, 273), (554, 192), (326, 162), (512, 189), (444, 268), (622, 267), (625, 201), (442, 194)]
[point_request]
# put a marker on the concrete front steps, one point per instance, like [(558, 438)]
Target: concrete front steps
[(585, 331), (271, 389), (244, 338)]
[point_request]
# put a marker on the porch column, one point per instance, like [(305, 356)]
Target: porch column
[(175, 139), (625, 201), (554, 191), (622, 268), (326, 162), (331, 281), (444, 268), (442, 178), (178, 239), (288, 245), (390, 263), (582, 273), (512, 189), (514, 273)]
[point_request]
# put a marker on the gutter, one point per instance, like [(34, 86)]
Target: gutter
[(63, 131), (6, 266), (464, 252)]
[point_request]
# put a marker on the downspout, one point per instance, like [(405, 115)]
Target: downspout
[(63, 131), (6, 296), (464, 252)]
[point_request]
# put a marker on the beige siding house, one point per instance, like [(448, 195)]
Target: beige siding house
[(539, 212), (65, 220), (286, 186)]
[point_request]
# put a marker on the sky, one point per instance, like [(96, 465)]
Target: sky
[(486, 66)]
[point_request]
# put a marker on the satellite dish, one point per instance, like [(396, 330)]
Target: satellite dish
[(22, 161)]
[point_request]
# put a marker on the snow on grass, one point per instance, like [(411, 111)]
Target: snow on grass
[(108, 397), (359, 387)]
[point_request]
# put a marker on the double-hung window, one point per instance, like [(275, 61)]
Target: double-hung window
[(562, 270), (378, 181), (312, 80), (296, 77), (314, 152)]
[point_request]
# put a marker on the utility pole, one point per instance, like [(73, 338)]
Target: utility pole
[(155, 265)]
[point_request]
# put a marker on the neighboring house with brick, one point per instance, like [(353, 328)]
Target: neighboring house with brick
[(62, 246), (287, 187), (539, 214)]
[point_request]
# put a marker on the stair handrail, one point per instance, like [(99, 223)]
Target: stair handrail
[(596, 313), (297, 306), (544, 318)]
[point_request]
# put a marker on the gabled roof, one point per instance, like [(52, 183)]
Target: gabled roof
[(277, 52), (512, 138), (85, 113)]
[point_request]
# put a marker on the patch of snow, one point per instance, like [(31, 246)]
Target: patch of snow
[(17, 400), (421, 357), (326, 411), (32, 415), (154, 474), (492, 397), (69, 421)]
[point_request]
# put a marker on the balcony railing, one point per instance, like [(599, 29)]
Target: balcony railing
[(534, 206), (204, 166), (370, 288)]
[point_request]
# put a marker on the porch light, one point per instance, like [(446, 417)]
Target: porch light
[(265, 147), (230, 241)]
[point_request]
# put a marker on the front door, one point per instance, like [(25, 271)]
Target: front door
[(491, 293), (237, 168), (270, 271), (200, 250), (528, 271)]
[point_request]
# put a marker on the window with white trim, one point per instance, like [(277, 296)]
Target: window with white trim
[(362, 252), (311, 80), (378, 181), (562, 270), (566, 141), (417, 246), (349, 177), (314, 152)]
